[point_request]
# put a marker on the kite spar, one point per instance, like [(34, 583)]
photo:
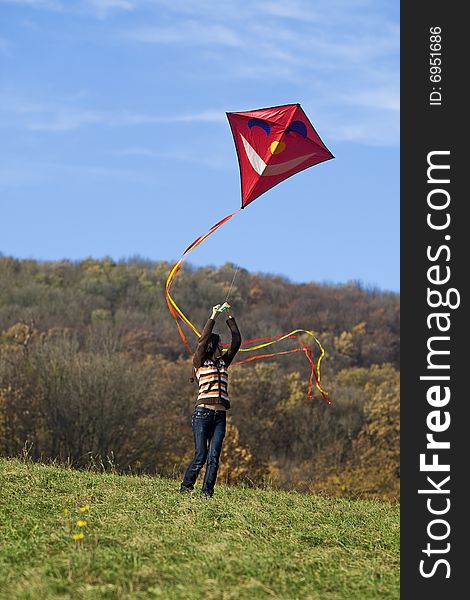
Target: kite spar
[(272, 144)]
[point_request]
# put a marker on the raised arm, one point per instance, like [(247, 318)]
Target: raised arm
[(202, 341), (236, 340)]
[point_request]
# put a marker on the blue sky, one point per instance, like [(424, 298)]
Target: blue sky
[(114, 140)]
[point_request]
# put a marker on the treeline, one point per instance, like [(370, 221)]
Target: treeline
[(92, 371)]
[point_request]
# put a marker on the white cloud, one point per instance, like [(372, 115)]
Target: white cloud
[(54, 5), (211, 161), (65, 120), (57, 117), (207, 116), (95, 8), (33, 173), (373, 129), (291, 10), (187, 33), (101, 8), (379, 98)]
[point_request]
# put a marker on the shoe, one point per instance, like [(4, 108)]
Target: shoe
[(206, 494), (185, 490)]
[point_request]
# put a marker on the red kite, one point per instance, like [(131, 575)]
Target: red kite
[(273, 144)]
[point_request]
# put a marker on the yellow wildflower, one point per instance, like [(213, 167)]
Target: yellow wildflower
[(84, 508), (66, 511), (78, 536), (81, 523)]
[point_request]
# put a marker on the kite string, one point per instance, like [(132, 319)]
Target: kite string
[(231, 285)]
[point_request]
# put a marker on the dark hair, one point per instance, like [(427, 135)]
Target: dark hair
[(212, 345)]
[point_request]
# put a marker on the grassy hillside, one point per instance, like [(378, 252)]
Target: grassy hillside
[(142, 539)]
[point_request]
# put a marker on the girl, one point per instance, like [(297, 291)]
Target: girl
[(209, 418)]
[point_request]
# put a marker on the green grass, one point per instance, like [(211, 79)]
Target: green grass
[(145, 540)]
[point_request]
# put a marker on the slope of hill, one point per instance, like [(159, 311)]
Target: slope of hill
[(142, 539)]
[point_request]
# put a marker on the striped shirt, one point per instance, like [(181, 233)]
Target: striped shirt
[(212, 373), (212, 377)]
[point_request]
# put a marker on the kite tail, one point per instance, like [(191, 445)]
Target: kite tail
[(178, 316), (175, 311), (175, 315), (314, 375)]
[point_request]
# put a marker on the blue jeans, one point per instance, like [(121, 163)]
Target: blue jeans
[(209, 431)]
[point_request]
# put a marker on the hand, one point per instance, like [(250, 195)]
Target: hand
[(215, 311), (225, 307)]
